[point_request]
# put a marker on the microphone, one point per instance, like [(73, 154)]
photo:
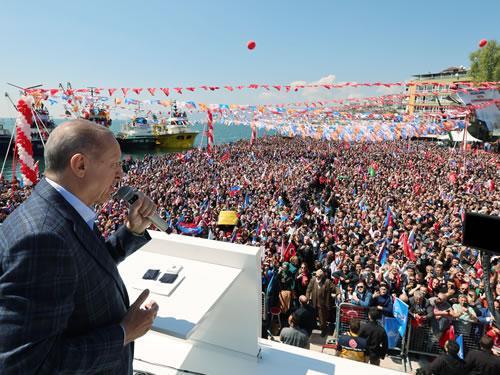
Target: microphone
[(130, 195)]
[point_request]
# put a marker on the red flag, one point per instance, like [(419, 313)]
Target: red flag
[(53, 92), (277, 88), (125, 90), (448, 334), (137, 90), (229, 88), (111, 91), (225, 157), (178, 89), (289, 252), (165, 90), (152, 91), (407, 250), (190, 89)]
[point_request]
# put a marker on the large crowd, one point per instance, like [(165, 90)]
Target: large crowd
[(375, 220)]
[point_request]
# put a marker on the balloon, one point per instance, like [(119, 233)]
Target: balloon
[(251, 44), (482, 43)]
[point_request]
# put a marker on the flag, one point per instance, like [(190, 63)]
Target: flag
[(391, 326), (234, 190), (225, 157), (371, 171), (289, 252), (448, 334), (246, 202), (460, 342), (189, 228), (407, 250), (388, 222), (400, 312), (383, 254)]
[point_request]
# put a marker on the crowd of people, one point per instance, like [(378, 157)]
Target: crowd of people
[(337, 222)]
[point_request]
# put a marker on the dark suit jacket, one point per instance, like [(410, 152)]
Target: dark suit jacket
[(377, 339), (481, 362), (61, 296)]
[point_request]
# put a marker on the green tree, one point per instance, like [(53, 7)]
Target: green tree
[(485, 63)]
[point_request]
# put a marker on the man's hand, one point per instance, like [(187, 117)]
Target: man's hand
[(138, 321), (137, 221)]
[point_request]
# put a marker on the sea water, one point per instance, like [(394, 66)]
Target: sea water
[(222, 134)]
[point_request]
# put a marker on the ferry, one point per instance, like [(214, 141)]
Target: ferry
[(136, 134), (175, 132), (5, 136)]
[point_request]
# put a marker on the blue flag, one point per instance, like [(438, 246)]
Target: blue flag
[(460, 342), (391, 326), (400, 311)]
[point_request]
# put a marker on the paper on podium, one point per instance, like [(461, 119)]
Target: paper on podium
[(182, 308)]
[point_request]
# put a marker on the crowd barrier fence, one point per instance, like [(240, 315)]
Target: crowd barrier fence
[(417, 340)]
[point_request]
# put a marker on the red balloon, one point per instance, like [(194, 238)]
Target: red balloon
[(482, 43), (251, 44)]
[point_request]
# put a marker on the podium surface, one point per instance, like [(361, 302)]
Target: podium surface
[(211, 323), (201, 286)]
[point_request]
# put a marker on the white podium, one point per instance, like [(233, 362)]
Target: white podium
[(211, 322)]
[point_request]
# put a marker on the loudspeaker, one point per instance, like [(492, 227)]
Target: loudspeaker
[(482, 232)]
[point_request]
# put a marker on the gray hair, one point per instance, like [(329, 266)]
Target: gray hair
[(70, 138)]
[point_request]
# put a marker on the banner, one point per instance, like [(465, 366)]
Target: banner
[(400, 312), (391, 326)]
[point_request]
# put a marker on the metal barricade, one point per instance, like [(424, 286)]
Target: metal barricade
[(423, 340), (346, 312)]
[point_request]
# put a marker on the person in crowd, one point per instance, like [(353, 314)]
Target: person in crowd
[(448, 363), (420, 309), (382, 300), (319, 293), (374, 333), (483, 361), (63, 305), (350, 345), (293, 334), (305, 315), (442, 313), (361, 296), (463, 311)]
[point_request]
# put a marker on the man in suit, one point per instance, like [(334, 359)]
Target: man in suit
[(305, 316), (63, 306), (376, 337), (319, 292)]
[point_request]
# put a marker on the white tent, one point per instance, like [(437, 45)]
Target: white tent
[(458, 136)]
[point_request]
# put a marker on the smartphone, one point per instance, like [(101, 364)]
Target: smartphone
[(168, 278), (151, 274)]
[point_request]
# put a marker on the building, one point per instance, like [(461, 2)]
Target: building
[(428, 83)]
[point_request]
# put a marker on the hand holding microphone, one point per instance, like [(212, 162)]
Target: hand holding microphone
[(142, 211)]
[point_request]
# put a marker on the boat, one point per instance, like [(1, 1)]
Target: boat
[(136, 134), (175, 132), (5, 136), (97, 114), (41, 127)]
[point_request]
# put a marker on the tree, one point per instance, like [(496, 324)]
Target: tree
[(485, 63)]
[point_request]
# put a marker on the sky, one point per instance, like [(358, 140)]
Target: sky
[(155, 43)]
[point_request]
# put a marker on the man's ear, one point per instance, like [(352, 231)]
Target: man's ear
[(78, 164)]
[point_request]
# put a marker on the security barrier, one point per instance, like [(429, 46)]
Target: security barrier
[(423, 340)]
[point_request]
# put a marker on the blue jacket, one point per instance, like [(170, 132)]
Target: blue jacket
[(385, 302), (61, 296), (364, 299)]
